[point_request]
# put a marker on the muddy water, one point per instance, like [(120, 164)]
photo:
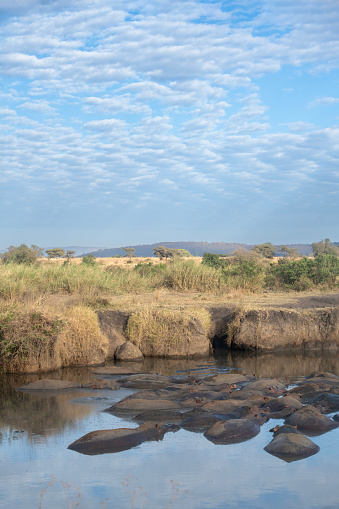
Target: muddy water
[(183, 470)]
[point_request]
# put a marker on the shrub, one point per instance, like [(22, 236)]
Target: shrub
[(303, 274), (89, 259), (324, 247), (266, 250), (214, 260), (22, 254), (244, 273)]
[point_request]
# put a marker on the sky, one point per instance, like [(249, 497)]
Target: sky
[(127, 122)]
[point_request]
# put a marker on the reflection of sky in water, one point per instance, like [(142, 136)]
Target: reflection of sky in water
[(241, 475), (233, 476)]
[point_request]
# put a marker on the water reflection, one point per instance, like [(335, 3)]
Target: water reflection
[(35, 430), (290, 365)]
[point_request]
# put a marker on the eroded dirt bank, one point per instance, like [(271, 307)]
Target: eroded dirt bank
[(310, 323)]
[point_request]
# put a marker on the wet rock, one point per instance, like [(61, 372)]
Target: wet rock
[(113, 324), (117, 440), (309, 420), (128, 352), (232, 431), (50, 385), (291, 447)]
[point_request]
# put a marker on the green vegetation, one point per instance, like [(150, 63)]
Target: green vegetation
[(167, 252), (22, 254), (89, 259), (56, 252), (47, 309), (129, 251), (305, 274), (266, 250), (325, 247), (290, 252)]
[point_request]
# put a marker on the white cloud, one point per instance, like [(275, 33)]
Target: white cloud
[(325, 101)]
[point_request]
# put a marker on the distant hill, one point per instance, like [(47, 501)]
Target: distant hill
[(195, 248), (79, 250)]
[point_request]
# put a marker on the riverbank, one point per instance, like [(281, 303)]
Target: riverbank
[(40, 336), (54, 316)]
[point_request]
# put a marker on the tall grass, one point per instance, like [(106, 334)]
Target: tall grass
[(19, 281)]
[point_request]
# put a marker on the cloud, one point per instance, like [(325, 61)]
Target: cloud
[(40, 105), (325, 101), (165, 101)]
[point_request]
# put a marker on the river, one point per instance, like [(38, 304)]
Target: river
[(183, 470)]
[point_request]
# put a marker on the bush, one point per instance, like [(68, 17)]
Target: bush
[(244, 273), (324, 247), (213, 260), (266, 250), (89, 259), (22, 254), (303, 274)]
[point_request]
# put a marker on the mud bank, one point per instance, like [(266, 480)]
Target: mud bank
[(269, 330), (37, 342)]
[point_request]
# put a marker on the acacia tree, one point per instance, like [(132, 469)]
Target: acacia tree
[(129, 251), (324, 247), (69, 255), (167, 252), (266, 250), (291, 252), (56, 252)]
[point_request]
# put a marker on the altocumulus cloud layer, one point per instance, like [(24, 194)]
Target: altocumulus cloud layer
[(139, 121)]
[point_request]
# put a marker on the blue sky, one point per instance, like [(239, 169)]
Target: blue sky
[(131, 122)]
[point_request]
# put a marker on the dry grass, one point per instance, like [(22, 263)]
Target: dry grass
[(165, 326), (81, 340), (39, 338)]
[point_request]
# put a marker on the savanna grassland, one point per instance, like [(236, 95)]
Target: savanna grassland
[(48, 308)]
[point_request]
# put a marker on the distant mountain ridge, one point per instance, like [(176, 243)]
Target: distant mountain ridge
[(195, 248)]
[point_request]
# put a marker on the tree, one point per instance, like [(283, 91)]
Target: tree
[(291, 252), (167, 252), (162, 252), (69, 255), (88, 259), (129, 251), (324, 247), (22, 254), (56, 252), (266, 250)]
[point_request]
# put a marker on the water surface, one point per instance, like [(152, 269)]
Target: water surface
[(182, 470)]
